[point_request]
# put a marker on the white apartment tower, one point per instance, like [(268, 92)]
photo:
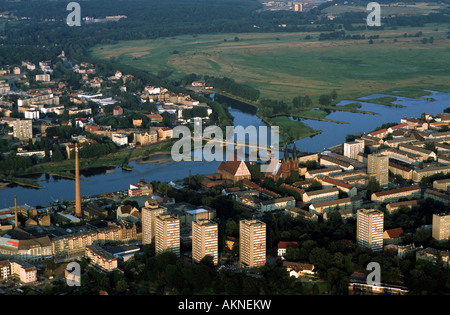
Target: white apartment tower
[(369, 229), (149, 214), (351, 149), (441, 226), (252, 243), (205, 240), (167, 237)]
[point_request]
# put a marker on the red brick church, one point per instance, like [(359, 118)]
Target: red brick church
[(285, 166)]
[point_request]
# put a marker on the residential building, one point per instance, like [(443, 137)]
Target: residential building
[(442, 184), (26, 272), (205, 240), (22, 128), (378, 168), (276, 204), (418, 174), (283, 246), (321, 195), (369, 229), (392, 236), (423, 153), (43, 77), (394, 206), (252, 243), (167, 236), (322, 171), (351, 149), (101, 258), (350, 203), (393, 195), (441, 226), (149, 214), (295, 211), (437, 196), (120, 138), (298, 269)]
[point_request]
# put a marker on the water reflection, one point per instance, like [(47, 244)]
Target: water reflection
[(104, 180)]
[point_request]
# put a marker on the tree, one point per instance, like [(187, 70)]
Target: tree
[(325, 99)]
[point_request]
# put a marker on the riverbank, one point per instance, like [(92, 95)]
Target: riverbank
[(64, 169)]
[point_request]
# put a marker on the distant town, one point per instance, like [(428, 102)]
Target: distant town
[(381, 194)]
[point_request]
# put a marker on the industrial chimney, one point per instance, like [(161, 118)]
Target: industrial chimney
[(78, 212)]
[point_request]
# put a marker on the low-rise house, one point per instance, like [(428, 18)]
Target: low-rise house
[(392, 236), (379, 133), (414, 123), (396, 127), (283, 246), (298, 269)]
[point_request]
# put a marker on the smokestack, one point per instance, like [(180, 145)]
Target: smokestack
[(15, 213), (78, 212)]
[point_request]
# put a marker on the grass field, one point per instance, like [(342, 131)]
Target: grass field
[(285, 65)]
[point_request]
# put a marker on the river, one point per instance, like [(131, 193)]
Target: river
[(103, 181)]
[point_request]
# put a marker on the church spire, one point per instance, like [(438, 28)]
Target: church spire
[(286, 154), (294, 153)]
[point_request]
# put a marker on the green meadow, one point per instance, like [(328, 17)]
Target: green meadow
[(285, 65)]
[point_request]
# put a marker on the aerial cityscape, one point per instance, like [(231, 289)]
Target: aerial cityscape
[(224, 148)]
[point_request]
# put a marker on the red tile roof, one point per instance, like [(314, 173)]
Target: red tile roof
[(394, 233)]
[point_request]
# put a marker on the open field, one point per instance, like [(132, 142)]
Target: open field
[(285, 65)]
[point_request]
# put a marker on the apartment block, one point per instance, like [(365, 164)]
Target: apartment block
[(321, 195), (205, 240), (351, 149), (22, 128), (167, 237), (378, 168), (441, 226), (252, 243), (393, 195), (101, 258), (369, 229), (418, 174), (149, 214)]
